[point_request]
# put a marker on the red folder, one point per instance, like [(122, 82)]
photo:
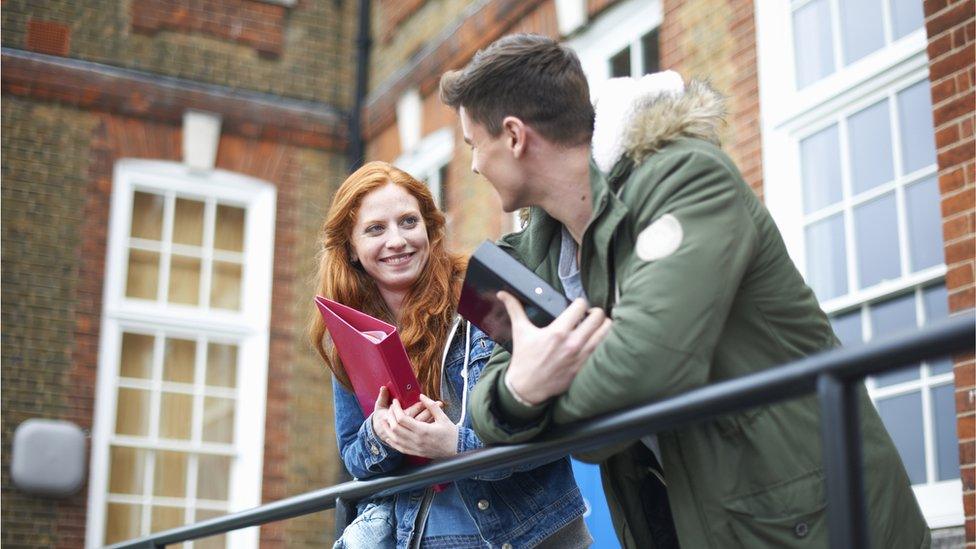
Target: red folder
[(373, 356)]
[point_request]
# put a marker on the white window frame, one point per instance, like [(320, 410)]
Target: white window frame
[(425, 161), (788, 115), (621, 26), (249, 327)]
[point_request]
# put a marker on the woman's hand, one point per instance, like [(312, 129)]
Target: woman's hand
[(410, 435), (381, 414)]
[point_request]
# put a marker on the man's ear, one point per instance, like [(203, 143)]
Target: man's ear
[(515, 133)]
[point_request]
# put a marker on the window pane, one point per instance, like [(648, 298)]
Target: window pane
[(132, 413), (649, 43), (876, 235), (924, 224), (820, 159), (229, 232), (902, 415), (213, 542), (826, 258), (870, 143), (937, 308), (137, 356), (184, 280), (889, 318), (178, 361), (143, 274), (813, 42), (188, 224), (862, 31), (147, 216), (164, 518), (848, 328), (620, 63), (225, 288), (213, 480), (906, 16), (218, 420), (123, 522), (946, 443), (175, 415), (170, 477), (127, 470), (915, 121), (221, 365)]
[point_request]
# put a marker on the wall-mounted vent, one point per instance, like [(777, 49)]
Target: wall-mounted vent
[(48, 37)]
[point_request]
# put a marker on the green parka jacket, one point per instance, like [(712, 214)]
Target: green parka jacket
[(707, 295)]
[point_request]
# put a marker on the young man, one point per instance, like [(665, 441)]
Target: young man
[(636, 209)]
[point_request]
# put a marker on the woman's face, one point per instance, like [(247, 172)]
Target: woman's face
[(389, 238)]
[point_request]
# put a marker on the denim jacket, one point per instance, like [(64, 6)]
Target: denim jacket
[(513, 508)]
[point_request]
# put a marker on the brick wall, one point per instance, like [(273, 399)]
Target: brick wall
[(57, 184), (44, 191), (951, 35), (715, 40), (302, 51), (419, 23)]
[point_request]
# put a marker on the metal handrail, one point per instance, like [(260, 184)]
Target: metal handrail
[(832, 374)]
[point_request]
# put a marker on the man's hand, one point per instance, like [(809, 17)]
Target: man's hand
[(545, 360)]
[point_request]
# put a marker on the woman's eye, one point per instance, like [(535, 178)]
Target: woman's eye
[(373, 229), (409, 221)]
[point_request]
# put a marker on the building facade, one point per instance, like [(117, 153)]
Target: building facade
[(166, 167)]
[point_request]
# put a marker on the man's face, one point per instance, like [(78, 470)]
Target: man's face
[(493, 158)]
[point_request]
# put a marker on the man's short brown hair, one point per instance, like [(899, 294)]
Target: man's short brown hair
[(528, 76)]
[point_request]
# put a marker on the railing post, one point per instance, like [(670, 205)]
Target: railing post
[(345, 512), (844, 467)]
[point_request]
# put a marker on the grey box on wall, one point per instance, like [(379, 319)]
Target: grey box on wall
[(48, 457)]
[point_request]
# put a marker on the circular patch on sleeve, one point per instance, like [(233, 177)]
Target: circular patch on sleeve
[(660, 239)]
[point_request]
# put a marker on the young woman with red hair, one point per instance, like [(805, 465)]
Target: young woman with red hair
[(383, 253)]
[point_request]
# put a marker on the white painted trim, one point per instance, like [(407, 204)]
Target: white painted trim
[(409, 114), (570, 15), (620, 26), (425, 161), (247, 328), (201, 135), (789, 115)]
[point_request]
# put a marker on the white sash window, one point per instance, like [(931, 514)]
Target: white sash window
[(179, 421), (851, 179)]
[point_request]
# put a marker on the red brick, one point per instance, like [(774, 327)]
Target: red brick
[(956, 61), (959, 276), (967, 473), (958, 202), (954, 108), (962, 300), (956, 154), (952, 180), (943, 89), (937, 23), (965, 375), (964, 400), (939, 45), (956, 227), (260, 26), (932, 7), (946, 136), (967, 456)]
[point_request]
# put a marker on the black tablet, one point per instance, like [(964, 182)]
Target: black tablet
[(491, 270)]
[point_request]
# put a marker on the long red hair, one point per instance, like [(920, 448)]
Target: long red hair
[(428, 308)]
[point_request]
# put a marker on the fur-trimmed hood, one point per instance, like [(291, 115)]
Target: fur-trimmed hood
[(638, 116)]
